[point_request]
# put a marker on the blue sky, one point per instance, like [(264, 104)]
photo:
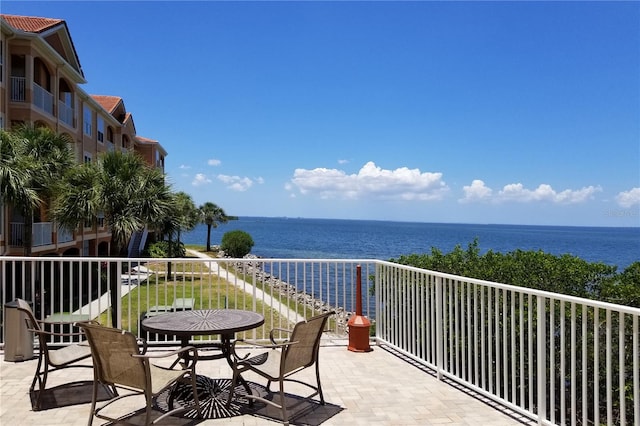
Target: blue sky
[(471, 112)]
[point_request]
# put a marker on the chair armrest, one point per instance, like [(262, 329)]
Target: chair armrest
[(46, 326), (193, 357), (53, 333), (260, 345), (271, 333)]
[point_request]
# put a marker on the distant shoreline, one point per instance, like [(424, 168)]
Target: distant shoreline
[(634, 214)]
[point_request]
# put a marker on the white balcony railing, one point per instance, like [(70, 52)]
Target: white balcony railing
[(65, 113), (64, 236), (42, 98), (555, 359), (18, 89), (41, 234)]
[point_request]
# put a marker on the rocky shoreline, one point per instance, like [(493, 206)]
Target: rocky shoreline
[(290, 292)]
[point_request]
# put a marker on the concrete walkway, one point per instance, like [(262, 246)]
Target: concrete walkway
[(273, 303)]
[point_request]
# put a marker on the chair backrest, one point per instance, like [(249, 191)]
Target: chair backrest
[(112, 350), (304, 353), (24, 307), (33, 324)]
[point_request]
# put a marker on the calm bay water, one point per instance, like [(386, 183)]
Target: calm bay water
[(296, 238)]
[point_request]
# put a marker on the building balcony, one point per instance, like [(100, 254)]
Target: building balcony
[(41, 235), (446, 349), (18, 89), (42, 99), (66, 114)]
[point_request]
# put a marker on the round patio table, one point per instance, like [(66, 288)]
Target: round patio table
[(186, 324), (204, 322)]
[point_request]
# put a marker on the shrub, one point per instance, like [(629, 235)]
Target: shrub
[(161, 249), (236, 243)]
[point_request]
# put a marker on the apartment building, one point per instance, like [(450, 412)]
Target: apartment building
[(41, 83)]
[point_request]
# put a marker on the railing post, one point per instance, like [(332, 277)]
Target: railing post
[(541, 346), (439, 329), (118, 294)]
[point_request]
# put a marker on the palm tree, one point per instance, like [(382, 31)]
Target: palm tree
[(123, 187), (211, 215), (183, 215), (33, 159), (14, 175), (187, 213)]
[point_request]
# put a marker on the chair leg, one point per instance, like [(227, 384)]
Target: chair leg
[(283, 403), (194, 386), (94, 398), (148, 398), (41, 381), (319, 384)]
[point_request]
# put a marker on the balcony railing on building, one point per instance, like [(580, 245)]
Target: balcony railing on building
[(41, 235), (65, 113), (42, 98), (553, 358), (64, 236), (18, 89)]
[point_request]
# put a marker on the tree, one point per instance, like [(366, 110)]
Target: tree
[(14, 175), (32, 159), (130, 193), (624, 289), (211, 215), (182, 215), (236, 243), (187, 213)]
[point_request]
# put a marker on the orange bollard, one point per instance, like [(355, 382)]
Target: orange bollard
[(359, 325)]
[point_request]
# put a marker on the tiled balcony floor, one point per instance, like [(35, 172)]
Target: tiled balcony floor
[(374, 388)]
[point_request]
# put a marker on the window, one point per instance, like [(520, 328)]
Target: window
[(100, 220), (87, 117), (87, 157), (100, 130)]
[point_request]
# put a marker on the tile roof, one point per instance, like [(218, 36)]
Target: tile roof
[(31, 24), (109, 103), (146, 140)]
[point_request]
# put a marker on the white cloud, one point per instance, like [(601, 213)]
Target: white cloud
[(629, 198), (214, 162), (371, 181), (340, 161), (544, 192), (184, 166), (477, 191), (200, 179), (236, 183)]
